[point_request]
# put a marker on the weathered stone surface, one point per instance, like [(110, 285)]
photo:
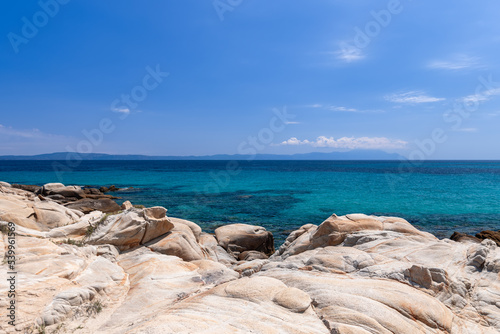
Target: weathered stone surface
[(214, 251), (60, 189), (26, 209), (179, 241), (195, 229), (434, 285), (238, 238), (5, 184), (104, 189), (252, 255), (334, 230), (92, 191), (126, 205), (131, 228), (27, 187), (145, 273), (462, 237), (87, 205), (492, 235)]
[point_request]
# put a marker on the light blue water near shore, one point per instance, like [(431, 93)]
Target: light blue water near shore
[(439, 196)]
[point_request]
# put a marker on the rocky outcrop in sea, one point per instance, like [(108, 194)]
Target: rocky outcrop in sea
[(136, 270)]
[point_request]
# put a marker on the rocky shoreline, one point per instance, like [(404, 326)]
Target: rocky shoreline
[(85, 264)]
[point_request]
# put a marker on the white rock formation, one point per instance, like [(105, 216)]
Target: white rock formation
[(142, 272), (28, 210)]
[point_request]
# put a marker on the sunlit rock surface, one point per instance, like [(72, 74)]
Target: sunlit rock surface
[(139, 271)]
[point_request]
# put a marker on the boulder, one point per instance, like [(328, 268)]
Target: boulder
[(92, 191), (28, 187), (246, 305), (492, 235), (462, 237), (180, 241), (195, 229), (111, 188), (26, 209), (238, 238), (335, 230), (52, 215), (61, 189), (126, 205), (5, 184), (87, 205), (214, 251)]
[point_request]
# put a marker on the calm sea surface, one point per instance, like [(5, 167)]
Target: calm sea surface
[(438, 196)]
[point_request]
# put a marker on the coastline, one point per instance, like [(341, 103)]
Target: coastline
[(347, 274), (283, 196)]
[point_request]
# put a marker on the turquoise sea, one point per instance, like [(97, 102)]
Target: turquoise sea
[(436, 196)]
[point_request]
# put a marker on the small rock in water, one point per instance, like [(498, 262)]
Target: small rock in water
[(492, 235), (462, 237)]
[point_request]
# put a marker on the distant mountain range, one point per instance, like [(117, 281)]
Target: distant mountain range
[(348, 155)]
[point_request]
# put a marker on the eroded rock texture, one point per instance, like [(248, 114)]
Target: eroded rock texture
[(139, 271)]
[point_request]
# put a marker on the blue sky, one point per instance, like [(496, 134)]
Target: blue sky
[(420, 78)]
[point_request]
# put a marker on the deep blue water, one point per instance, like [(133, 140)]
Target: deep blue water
[(438, 196)]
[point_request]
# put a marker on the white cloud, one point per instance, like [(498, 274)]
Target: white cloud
[(317, 105), (349, 142), (457, 62), (481, 97), (412, 97), (348, 53), (122, 110), (334, 108), (30, 141), (340, 108), (10, 132)]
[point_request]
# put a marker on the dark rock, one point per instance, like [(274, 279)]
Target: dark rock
[(56, 197), (27, 187), (462, 237), (92, 191), (492, 235), (87, 205), (101, 196), (111, 188), (60, 189)]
